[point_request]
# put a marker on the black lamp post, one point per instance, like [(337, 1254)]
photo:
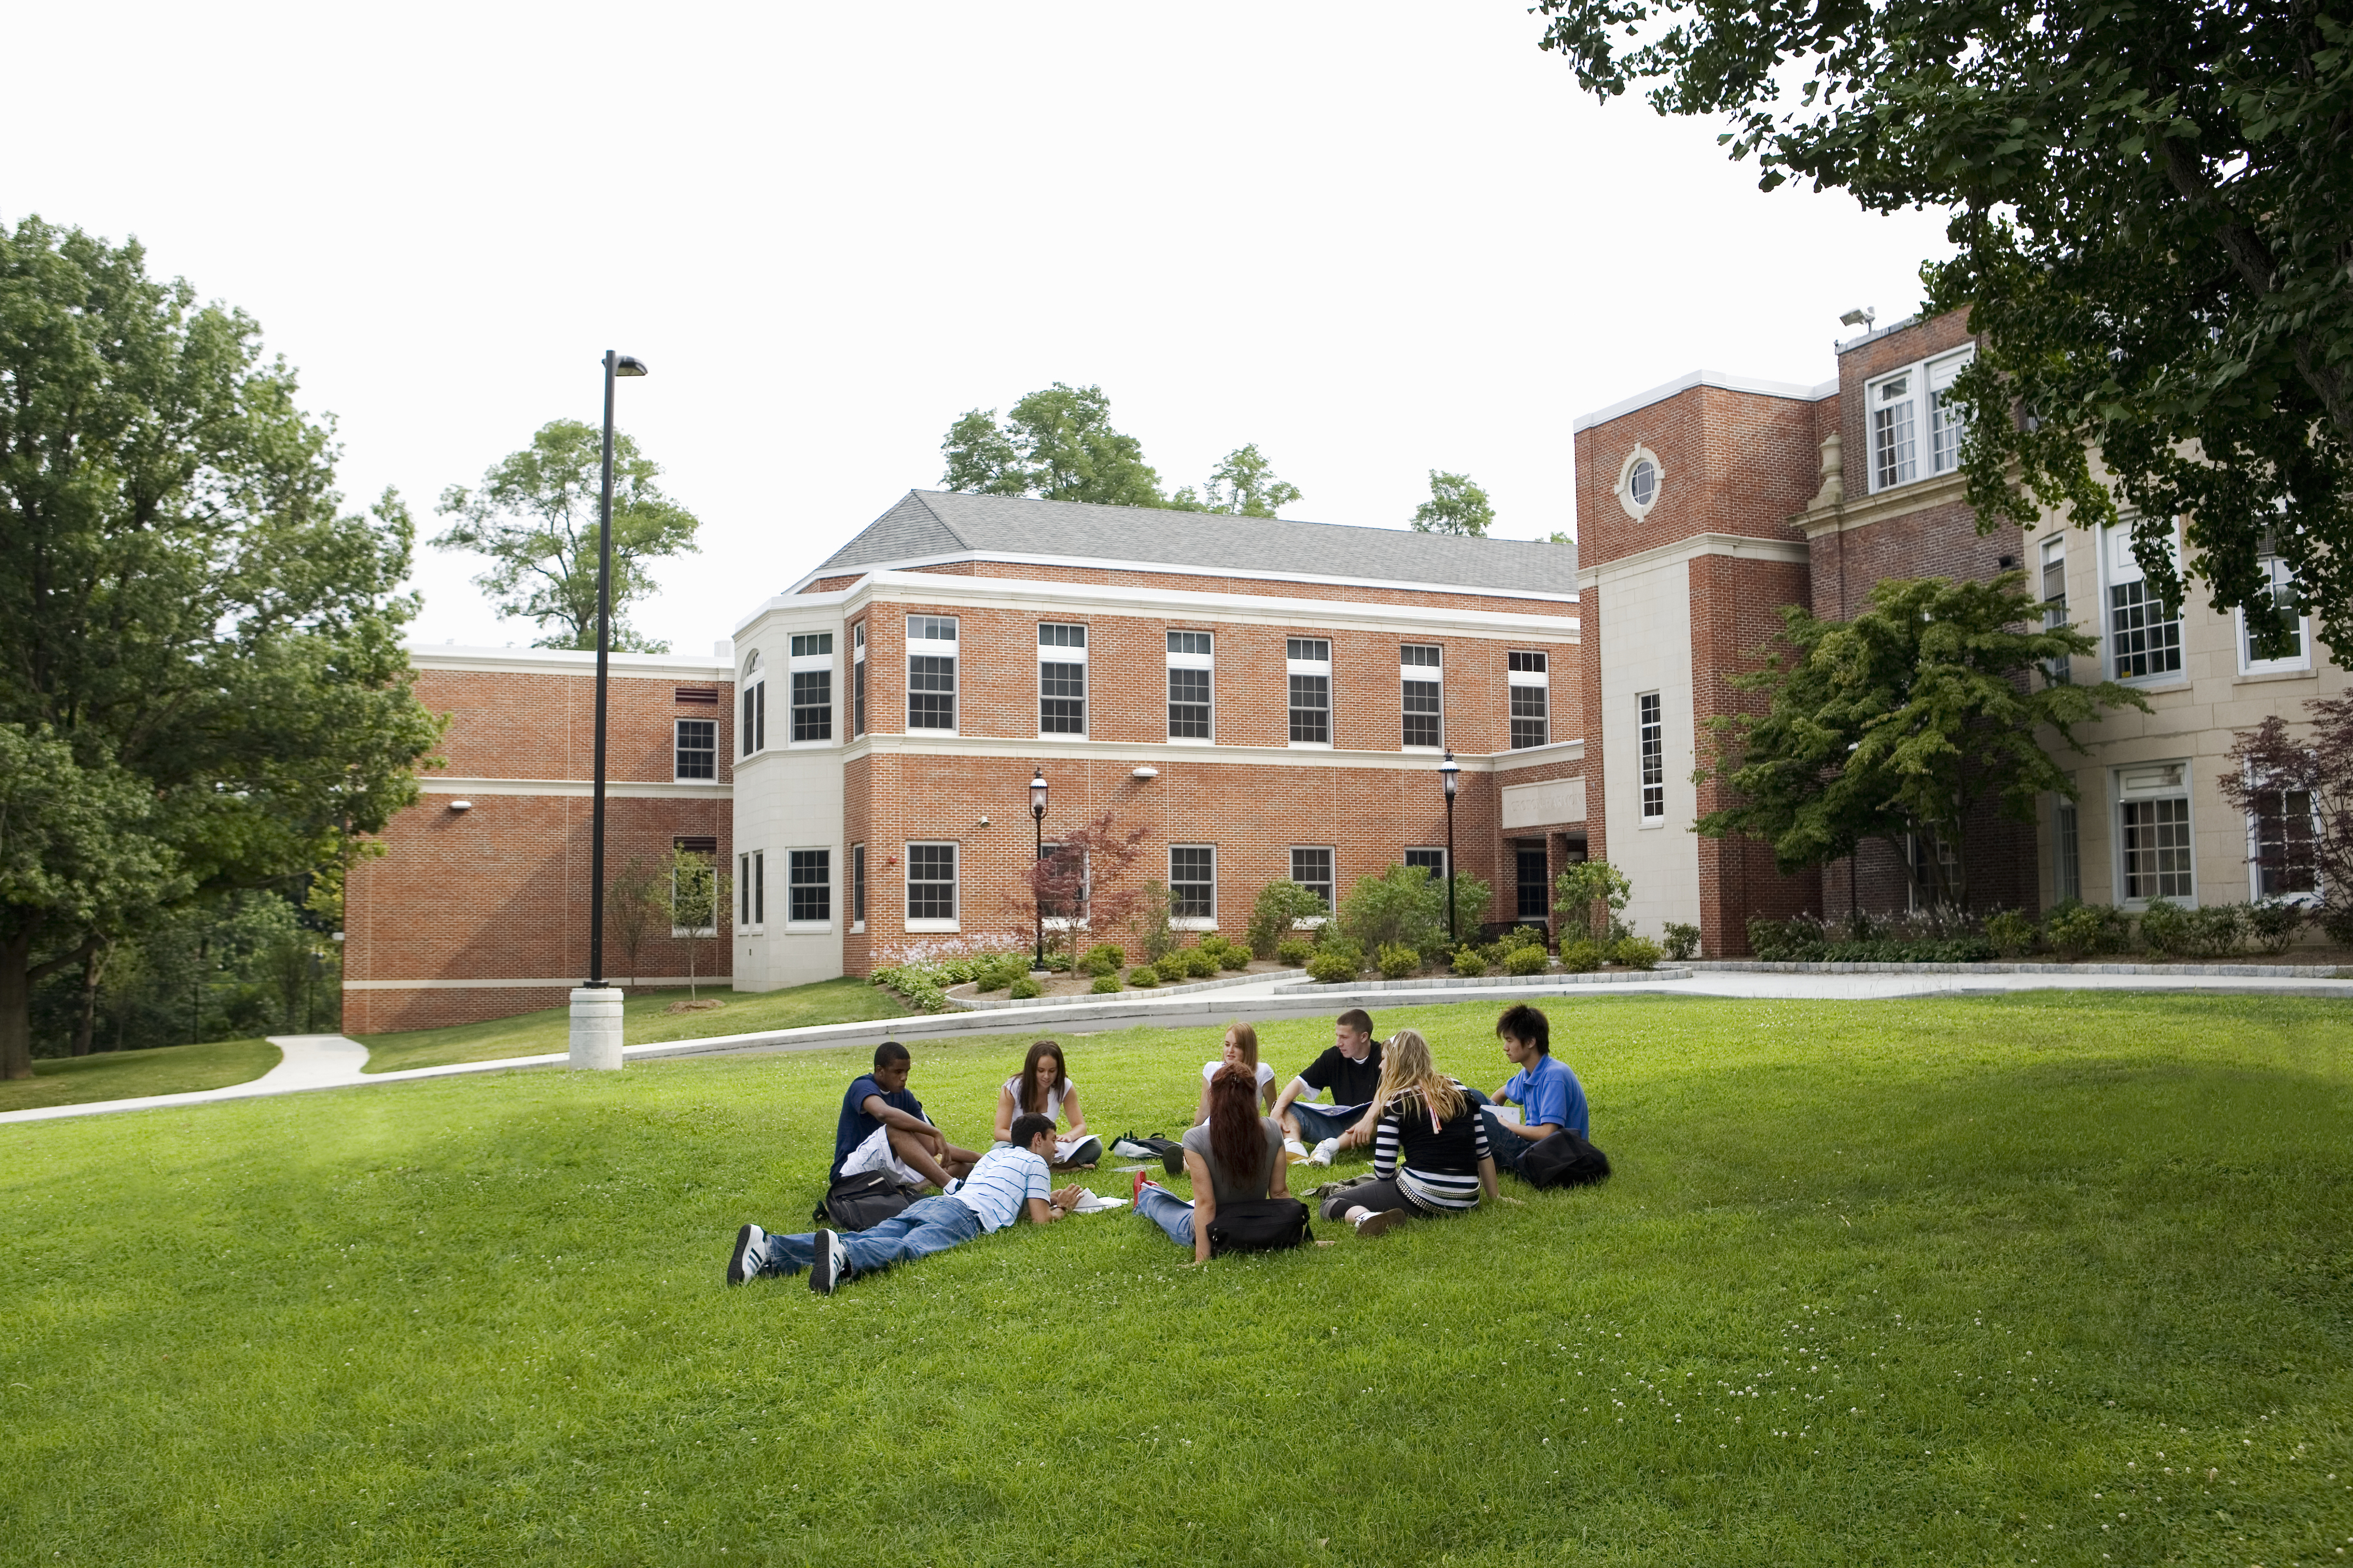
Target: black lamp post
[(616, 364), (1447, 769), (1038, 818)]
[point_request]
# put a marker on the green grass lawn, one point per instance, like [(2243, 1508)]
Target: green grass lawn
[(644, 1022), (2039, 1279), (126, 1075)]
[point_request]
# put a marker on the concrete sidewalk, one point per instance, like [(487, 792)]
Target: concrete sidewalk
[(330, 1061)]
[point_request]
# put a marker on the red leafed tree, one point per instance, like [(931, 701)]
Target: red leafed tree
[(1081, 885), (2300, 790)]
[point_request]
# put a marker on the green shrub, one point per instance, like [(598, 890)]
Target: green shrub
[(1234, 956), (2165, 927), (1143, 977), (2011, 932), (1580, 955), (1470, 961), (1402, 905), (1059, 962), (1635, 953), (1534, 960), (1151, 920), (2083, 931), (1398, 961), (1294, 950), (1518, 936), (1682, 940), (2215, 930), (1201, 964), (1586, 891), (1024, 988), (1105, 959), (1104, 983), (1332, 965), (1278, 906), (2272, 925)]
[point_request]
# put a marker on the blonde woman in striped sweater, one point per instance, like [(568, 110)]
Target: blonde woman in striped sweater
[(1429, 1146)]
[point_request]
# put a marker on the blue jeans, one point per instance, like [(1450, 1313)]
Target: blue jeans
[(1169, 1212), (1503, 1142), (1317, 1122), (922, 1227)]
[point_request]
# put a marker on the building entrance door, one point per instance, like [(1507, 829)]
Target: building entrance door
[(1534, 906)]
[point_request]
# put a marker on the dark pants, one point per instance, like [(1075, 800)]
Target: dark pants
[(1377, 1194)]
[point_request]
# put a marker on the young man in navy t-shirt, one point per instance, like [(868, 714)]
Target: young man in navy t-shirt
[(1548, 1095), (883, 1128)]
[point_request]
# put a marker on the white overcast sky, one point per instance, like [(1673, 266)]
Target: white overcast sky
[(1375, 238)]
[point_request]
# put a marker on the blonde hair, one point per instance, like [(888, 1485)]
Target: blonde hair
[(1405, 1068), (1247, 1039)]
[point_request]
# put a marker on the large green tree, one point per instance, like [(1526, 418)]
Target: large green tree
[(1903, 721), (535, 515), (202, 684), (2153, 206), (1243, 484), (1058, 444), (1456, 505)]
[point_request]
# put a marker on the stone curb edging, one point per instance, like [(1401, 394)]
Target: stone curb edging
[(1489, 981), (2232, 971), (983, 1005)]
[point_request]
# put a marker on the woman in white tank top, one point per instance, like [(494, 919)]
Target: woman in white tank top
[(1051, 1094)]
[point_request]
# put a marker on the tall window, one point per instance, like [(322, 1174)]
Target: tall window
[(2289, 650), (2143, 631), (1432, 861), (1061, 680), (1193, 881), (809, 883), (1190, 663), (930, 672), (2152, 828), (754, 730), (1312, 870), (752, 889), (858, 884), (1530, 679), (1417, 675), (2066, 854), (2280, 834), (1308, 660), (857, 679), (1650, 744), (812, 688), (698, 749), (2054, 603), (1916, 428), (931, 886)]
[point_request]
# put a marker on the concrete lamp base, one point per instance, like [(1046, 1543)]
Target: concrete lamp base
[(597, 1029)]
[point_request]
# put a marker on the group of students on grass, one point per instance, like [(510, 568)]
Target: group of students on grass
[(1437, 1145)]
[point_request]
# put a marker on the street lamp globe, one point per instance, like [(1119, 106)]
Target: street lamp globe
[(1038, 794), (1447, 769)]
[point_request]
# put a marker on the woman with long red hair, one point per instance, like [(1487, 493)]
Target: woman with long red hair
[(1234, 1157)]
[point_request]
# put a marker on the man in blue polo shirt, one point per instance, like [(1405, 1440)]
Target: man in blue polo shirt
[(1548, 1093), (883, 1128)]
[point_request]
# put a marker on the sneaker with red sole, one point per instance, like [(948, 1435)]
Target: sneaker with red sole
[(1142, 1181)]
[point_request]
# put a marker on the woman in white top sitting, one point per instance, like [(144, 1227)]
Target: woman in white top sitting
[(1241, 1045), (1043, 1088)]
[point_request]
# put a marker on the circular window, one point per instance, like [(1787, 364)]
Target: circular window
[(1643, 482)]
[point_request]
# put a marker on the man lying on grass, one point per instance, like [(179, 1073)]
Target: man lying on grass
[(883, 1128), (1003, 1184)]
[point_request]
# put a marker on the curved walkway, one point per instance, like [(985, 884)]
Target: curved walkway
[(332, 1061)]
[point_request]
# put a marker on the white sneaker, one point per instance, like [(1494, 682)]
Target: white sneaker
[(827, 1268), (1296, 1147), (1323, 1151), (750, 1255)]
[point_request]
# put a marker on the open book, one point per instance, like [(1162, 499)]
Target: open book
[(1096, 1202), (1082, 1151)]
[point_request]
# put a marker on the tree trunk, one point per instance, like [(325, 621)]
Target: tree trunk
[(17, 1007), (93, 965)]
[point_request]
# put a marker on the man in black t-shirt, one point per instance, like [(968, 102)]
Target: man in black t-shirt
[(1351, 1071), (882, 1128)]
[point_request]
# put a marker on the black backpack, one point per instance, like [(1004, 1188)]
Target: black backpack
[(860, 1202), (1262, 1225), (1564, 1160)]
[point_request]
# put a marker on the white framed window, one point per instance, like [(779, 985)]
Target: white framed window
[(752, 731), (1311, 868), (697, 749), (812, 672), (2153, 834), (2143, 631), (1643, 481), (692, 885), (2296, 655), (1309, 663), (858, 887), (1914, 425), (1529, 678), (1061, 679), (2066, 853), (1192, 663), (857, 679), (1193, 887), (2280, 834), (1431, 859), (1422, 697), (932, 673), (931, 886), (1650, 749), (2058, 672), (808, 888), (750, 891)]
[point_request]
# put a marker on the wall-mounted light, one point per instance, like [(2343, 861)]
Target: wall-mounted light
[(1145, 773), (461, 806), (984, 821)]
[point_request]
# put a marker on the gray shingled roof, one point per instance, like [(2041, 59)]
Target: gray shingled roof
[(928, 524)]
